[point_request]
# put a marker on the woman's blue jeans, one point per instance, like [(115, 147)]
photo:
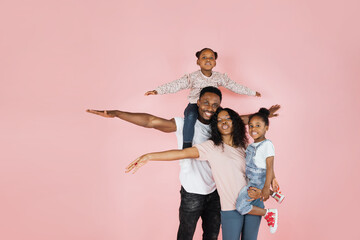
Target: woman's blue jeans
[(234, 225)]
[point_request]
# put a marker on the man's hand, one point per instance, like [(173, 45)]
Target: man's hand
[(137, 163), (273, 109), (153, 92), (258, 94), (254, 193), (103, 113)]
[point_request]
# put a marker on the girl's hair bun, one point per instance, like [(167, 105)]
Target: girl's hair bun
[(198, 53), (264, 111), (264, 114)]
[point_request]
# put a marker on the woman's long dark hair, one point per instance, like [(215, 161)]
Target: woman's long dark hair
[(239, 131)]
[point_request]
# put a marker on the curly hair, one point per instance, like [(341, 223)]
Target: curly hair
[(238, 132)]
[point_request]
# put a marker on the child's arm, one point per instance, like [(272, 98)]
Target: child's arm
[(162, 156), (171, 87), (265, 192), (274, 184), (153, 92), (238, 88)]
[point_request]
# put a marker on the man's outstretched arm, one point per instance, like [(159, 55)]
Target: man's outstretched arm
[(140, 119), (273, 109)]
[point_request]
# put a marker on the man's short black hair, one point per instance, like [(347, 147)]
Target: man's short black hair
[(212, 90)]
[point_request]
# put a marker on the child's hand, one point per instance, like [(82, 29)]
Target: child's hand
[(265, 194), (258, 94), (275, 185), (138, 163), (153, 92)]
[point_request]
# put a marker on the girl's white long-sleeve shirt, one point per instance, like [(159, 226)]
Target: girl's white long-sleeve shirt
[(197, 81)]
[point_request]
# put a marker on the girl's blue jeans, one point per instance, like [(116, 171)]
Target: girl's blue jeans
[(190, 116)]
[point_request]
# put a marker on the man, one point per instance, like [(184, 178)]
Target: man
[(199, 197)]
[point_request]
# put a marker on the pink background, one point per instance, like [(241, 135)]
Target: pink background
[(62, 170)]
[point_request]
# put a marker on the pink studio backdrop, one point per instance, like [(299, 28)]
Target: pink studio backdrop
[(62, 170)]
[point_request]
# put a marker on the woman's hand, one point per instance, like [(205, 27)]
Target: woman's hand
[(153, 92), (265, 194), (275, 185), (138, 163), (254, 193)]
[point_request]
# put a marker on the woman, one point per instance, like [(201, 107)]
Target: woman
[(225, 151)]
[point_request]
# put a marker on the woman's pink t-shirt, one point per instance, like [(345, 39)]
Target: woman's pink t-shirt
[(228, 168)]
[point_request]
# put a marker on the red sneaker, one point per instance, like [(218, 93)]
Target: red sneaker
[(278, 196), (271, 217)]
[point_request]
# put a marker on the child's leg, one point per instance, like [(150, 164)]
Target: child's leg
[(257, 211), (244, 206), (243, 202), (270, 215), (191, 114)]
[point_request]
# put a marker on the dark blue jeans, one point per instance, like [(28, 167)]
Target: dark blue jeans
[(190, 116), (192, 207)]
